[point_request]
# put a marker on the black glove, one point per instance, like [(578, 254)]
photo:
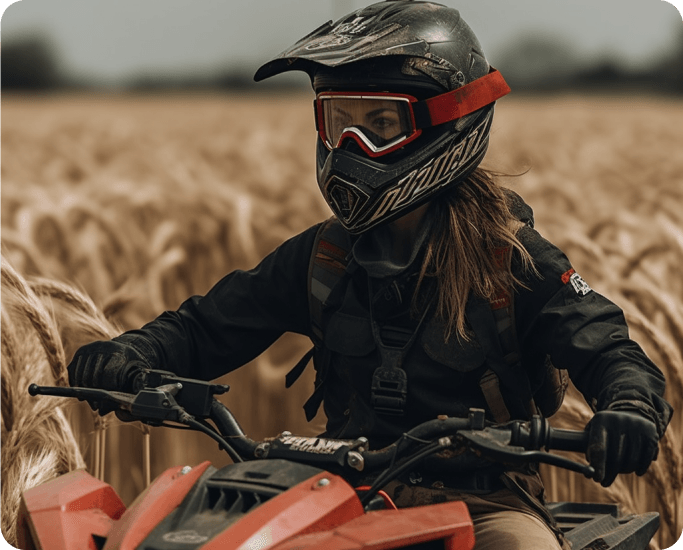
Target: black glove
[(620, 442), (108, 365)]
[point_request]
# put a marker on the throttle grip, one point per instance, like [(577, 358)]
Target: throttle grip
[(567, 440), (538, 434)]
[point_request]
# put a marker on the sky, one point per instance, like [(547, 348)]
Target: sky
[(114, 39)]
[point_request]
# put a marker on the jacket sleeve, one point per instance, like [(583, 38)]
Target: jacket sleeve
[(241, 316), (559, 315)]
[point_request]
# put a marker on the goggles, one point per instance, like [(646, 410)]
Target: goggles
[(382, 122)]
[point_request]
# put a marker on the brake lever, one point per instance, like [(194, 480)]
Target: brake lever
[(151, 406), (495, 444), (82, 394)]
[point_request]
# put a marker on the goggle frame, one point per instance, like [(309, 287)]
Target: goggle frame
[(436, 110), (354, 133)]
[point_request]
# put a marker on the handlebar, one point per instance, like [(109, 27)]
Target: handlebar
[(163, 397)]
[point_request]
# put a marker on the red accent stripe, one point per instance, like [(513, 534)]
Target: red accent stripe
[(567, 275), (329, 249), (330, 264), (468, 98), (500, 256), (501, 301)]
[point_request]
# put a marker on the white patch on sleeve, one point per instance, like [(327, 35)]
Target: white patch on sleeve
[(579, 285)]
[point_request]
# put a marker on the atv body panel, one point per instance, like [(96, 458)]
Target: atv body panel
[(278, 505), (72, 511)]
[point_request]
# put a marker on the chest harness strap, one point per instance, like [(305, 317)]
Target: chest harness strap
[(389, 390)]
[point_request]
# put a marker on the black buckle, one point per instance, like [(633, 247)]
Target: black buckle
[(389, 391)]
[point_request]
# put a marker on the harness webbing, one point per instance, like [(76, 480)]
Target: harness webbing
[(490, 387), (328, 266), (326, 269), (493, 325)]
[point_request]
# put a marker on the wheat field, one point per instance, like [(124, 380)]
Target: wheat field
[(117, 208)]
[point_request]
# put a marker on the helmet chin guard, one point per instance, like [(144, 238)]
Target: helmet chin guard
[(363, 193)]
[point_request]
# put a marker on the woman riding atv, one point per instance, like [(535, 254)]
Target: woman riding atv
[(428, 292)]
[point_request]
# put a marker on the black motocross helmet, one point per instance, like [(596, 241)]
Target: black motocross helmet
[(420, 57)]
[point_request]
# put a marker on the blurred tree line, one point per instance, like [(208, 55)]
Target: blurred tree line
[(30, 63), (539, 63), (533, 63)]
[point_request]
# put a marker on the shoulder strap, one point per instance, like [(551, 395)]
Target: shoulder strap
[(545, 397), (494, 325), (327, 267), (501, 376)]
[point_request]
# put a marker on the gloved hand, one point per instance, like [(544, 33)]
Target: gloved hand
[(620, 442), (108, 365)]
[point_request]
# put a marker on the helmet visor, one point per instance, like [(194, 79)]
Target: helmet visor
[(379, 123)]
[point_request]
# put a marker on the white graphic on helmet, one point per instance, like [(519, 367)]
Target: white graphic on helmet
[(328, 42), (437, 172), (344, 33), (353, 27)]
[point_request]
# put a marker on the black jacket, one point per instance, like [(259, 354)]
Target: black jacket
[(557, 315)]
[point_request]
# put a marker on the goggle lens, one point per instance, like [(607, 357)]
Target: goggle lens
[(381, 123)]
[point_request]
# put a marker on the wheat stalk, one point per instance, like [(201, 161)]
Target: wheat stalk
[(36, 313), (37, 441)]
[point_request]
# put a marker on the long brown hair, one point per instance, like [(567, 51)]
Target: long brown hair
[(469, 224)]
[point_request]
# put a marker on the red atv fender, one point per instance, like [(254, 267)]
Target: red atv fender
[(77, 511)]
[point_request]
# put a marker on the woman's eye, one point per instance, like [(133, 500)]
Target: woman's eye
[(386, 126), (383, 123)]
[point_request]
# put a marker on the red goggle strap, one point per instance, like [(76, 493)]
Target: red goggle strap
[(463, 101)]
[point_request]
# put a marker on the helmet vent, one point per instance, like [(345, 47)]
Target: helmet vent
[(345, 199), (389, 11)]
